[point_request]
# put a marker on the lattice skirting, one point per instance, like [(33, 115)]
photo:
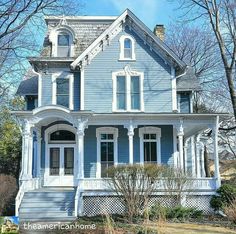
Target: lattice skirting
[(95, 205)]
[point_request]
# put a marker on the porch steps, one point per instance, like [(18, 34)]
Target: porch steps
[(48, 204)]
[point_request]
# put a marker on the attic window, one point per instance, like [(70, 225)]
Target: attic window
[(63, 45), (127, 51)]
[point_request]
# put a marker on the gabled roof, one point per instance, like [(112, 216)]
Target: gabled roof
[(110, 31)]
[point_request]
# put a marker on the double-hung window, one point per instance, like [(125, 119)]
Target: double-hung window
[(150, 145), (128, 92), (127, 50), (63, 45), (62, 93)]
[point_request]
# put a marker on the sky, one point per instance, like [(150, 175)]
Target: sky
[(151, 12)]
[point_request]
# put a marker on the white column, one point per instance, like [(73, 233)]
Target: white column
[(181, 144), (198, 156), (186, 155), (216, 156), (130, 134), (27, 151), (193, 157), (80, 146), (39, 139)]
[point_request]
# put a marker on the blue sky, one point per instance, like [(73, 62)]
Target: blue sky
[(151, 12)]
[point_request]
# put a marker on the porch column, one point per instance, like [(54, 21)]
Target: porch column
[(39, 139), (180, 134), (193, 158), (27, 151), (130, 134), (216, 156), (186, 154), (198, 156), (81, 125)]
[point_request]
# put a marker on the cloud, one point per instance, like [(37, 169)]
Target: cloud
[(146, 10)]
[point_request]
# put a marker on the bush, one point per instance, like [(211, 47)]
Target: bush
[(225, 195), (230, 211), (8, 191), (178, 212)]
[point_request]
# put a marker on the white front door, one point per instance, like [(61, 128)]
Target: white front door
[(60, 165)]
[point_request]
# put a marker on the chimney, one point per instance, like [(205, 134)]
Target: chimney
[(159, 31)]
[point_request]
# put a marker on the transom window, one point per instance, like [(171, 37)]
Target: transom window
[(127, 51), (150, 144), (62, 135), (63, 95), (128, 95)]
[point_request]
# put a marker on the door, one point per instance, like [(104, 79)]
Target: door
[(60, 165)]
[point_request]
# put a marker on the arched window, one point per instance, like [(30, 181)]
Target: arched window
[(127, 51), (62, 136), (127, 48), (63, 44)]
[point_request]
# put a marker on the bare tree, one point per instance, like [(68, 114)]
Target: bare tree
[(221, 15), (21, 21)]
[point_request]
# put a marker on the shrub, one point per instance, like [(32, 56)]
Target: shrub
[(178, 212), (225, 195), (230, 211), (8, 191)]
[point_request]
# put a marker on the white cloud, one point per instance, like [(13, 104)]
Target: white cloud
[(146, 10)]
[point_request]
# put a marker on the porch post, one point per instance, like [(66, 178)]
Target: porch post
[(186, 155), (193, 156), (216, 156), (198, 155), (130, 134), (80, 139), (39, 139), (181, 144), (27, 151)]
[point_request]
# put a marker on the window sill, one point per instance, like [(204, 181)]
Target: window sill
[(126, 60)]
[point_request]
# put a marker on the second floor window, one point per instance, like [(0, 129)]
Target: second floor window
[(63, 45), (128, 95), (127, 50), (62, 95)]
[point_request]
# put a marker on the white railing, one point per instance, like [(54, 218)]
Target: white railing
[(26, 185), (103, 184)]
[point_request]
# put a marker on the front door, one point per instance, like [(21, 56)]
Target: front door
[(60, 165)]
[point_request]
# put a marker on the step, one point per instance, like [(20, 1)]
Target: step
[(34, 215), (44, 209), (47, 199), (46, 204), (47, 219), (49, 195)]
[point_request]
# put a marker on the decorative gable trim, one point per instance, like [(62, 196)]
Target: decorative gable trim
[(127, 18)]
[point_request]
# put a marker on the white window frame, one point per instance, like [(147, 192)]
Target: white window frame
[(64, 75), (122, 46), (127, 74), (106, 130), (150, 130), (53, 38)]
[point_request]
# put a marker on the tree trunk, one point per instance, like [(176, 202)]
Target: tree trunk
[(206, 164), (232, 91)]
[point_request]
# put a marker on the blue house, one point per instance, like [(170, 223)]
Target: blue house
[(106, 91)]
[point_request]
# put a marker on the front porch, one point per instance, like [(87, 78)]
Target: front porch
[(125, 139)]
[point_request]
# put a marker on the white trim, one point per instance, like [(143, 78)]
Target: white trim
[(59, 180), (106, 130), (175, 152), (53, 38), (65, 75), (174, 90), (47, 18), (127, 73), (82, 89), (150, 130), (122, 55)]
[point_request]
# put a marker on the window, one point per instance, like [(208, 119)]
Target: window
[(54, 161), (127, 88), (63, 45), (106, 149), (184, 103), (69, 161), (63, 92), (127, 51), (62, 135), (121, 93), (150, 145)]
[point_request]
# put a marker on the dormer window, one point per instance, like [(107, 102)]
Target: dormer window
[(63, 45), (127, 51), (62, 39)]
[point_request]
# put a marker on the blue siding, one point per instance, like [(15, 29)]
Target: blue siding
[(46, 89), (157, 77), (90, 152), (76, 91)]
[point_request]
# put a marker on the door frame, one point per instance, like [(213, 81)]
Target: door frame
[(61, 179)]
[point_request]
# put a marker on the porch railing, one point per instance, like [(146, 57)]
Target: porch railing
[(207, 184)]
